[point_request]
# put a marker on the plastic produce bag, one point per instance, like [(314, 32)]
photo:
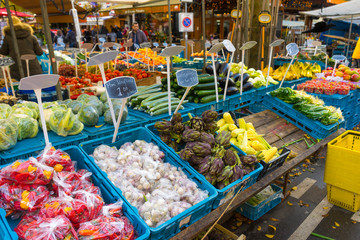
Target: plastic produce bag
[(117, 108), (26, 222), (62, 122), (75, 106), (27, 127), (22, 109), (57, 159), (113, 210), (28, 172), (5, 110), (34, 107), (8, 134), (94, 202), (51, 229), (88, 115), (69, 182)]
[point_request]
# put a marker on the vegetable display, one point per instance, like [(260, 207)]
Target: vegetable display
[(37, 190), (7, 99), (157, 189), (261, 196), (245, 137), (208, 153), (308, 105), (152, 100), (8, 134), (296, 71)]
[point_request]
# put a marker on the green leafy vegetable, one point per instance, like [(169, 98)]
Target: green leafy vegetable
[(8, 134)]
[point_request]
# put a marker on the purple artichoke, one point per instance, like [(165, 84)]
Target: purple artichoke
[(197, 123), (190, 145), (164, 126), (165, 138), (207, 138), (195, 160), (178, 128), (176, 118), (248, 159), (229, 157), (223, 139), (209, 116), (238, 173), (216, 166), (226, 174), (190, 135), (210, 178), (220, 185), (173, 145), (204, 167), (201, 149), (186, 154), (211, 127)]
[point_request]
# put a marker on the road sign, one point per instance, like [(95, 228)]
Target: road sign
[(186, 22)]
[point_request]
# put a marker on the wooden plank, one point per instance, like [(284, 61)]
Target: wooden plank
[(280, 131), (297, 147), (205, 222), (261, 118)]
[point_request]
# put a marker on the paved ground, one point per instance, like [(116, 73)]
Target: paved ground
[(305, 211)]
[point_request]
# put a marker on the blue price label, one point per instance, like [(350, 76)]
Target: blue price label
[(187, 77), (121, 87)]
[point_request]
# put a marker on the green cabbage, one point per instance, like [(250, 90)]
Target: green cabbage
[(117, 107), (34, 107), (22, 109), (114, 102), (88, 115), (62, 122), (75, 106), (49, 104), (98, 105), (8, 134), (83, 97), (5, 110), (103, 97), (27, 127)]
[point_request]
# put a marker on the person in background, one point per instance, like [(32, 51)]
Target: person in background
[(356, 55), (103, 30), (27, 43), (87, 35), (93, 34), (119, 34), (52, 36), (71, 38), (59, 38), (112, 35), (136, 35)]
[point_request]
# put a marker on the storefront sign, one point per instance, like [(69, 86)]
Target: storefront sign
[(186, 22)]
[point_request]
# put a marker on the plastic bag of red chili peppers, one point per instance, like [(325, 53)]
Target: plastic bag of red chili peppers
[(113, 210), (57, 159), (69, 182), (24, 197), (94, 202), (107, 228), (26, 222), (51, 229), (27, 172)]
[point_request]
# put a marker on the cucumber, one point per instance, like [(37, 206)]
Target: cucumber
[(144, 96), (211, 98), (158, 101), (175, 102), (204, 93), (154, 97), (209, 79), (205, 86), (165, 110), (203, 75), (155, 90), (180, 92)]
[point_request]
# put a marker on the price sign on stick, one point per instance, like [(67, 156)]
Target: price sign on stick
[(127, 45), (292, 50), (156, 44), (167, 53), (75, 52), (27, 58), (99, 60), (337, 59), (5, 62), (272, 45), (230, 47), (316, 44), (120, 87), (214, 50), (186, 78), (243, 48), (36, 83)]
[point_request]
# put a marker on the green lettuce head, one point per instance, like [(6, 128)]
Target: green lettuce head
[(83, 97), (98, 105), (22, 109), (75, 106), (27, 127), (5, 110), (34, 107), (117, 107), (8, 134), (88, 115)]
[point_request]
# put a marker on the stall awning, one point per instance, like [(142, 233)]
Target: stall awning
[(340, 11), (156, 6), (3, 12), (58, 10)]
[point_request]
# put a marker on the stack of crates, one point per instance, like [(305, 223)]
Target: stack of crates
[(342, 171)]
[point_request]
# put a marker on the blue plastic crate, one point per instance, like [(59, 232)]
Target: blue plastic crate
[(220, 107), (236, 102), (255, 212), (294, 82), (352, 121), (32, 146), (5, 231), (132, 121), (107, 192), (344, 102), (257, 107), (229, 191), (184, 219), (314, 128), (260, 92), (188, 108), (282, 61)]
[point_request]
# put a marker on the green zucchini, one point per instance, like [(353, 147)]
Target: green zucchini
[(209, 79), (175, 102), (211, 98), (144, 96), (180, 92), (204, 93), (203, 75), (196, 100), (158, 101), (165, 110), (154, 97), (205, 86), (155, 90), (150, 87)]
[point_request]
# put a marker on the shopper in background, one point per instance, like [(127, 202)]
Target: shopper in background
[(87, 35), (119, 34), (136, 35), (71, 38), (27, 43), (112, 35), (103, 30), (59, 38), (94, 34), (356, 55)]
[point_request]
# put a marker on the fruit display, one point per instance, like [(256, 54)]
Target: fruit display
[(159, 190), (152, 100), (2, 82), (7, 99), (152, 58), (201, 54), (326, 87), (308, 105), (67, 70), (296, 71), (33, 190), (350, 74), (318, 57), (176, 59), (208, 153), (245, 137)]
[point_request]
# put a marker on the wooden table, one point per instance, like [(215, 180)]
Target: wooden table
[(277, 131)]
